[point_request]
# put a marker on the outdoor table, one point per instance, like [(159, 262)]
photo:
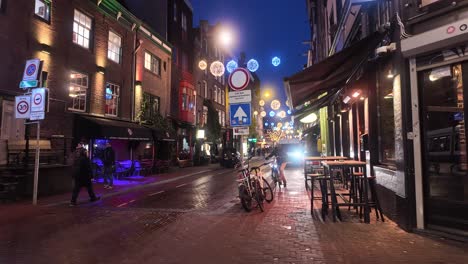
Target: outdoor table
[(311, 159), (346, 164)]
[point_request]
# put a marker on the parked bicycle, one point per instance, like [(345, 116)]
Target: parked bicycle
[(275, 174), (253, 187)]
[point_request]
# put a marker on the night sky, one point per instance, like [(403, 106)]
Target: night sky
[(264, 29)]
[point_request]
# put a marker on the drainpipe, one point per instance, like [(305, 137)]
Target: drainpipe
[(133, 74)]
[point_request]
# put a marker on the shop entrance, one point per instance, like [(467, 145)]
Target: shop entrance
[(443, 91)]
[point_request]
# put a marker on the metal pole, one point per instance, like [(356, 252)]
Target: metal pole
[(36, 164)]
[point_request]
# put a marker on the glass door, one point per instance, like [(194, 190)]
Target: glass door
[(444, 150)]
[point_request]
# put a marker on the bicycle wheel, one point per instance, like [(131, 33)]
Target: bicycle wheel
[(275, 177), (267, 191), (259, 195), (246, 199)]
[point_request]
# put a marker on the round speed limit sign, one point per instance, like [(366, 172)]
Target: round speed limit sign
[(22, 106)]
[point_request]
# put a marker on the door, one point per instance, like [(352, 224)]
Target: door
[(444, 149)]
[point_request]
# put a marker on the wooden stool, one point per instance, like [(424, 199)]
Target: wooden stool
[(374, 201), (312, 177)]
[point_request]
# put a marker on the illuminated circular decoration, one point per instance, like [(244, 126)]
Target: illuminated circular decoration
[(266, 123), (202, 65), (217, 68), (289, 112), (275, 61), (263, 114), (275, 104), (261, 102), (272, 113), (272, 124), (279, 125), (286, 124), (231, 66), (282, 114), (255, 113), (252, 65)]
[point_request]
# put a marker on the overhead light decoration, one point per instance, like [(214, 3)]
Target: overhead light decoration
[(346, 99), (286, 124), (272, 124), (252, 65), (263, 114), (255, 113), (231, 66), (261, 102), (356, 94), (266, 123), (275, 104), (279, 125), (309, 119), (289, 112), (276, 61), (282, 114), (202, 65), (272, 113), (217, 68)]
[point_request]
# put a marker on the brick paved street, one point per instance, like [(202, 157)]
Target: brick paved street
[(198, 219)]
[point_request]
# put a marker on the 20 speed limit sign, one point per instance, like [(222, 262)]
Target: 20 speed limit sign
[(22, 106)]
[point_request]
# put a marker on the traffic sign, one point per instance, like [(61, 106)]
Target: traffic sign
[(31, 70), (239, 79), (240, 97), (240, 114), (37, 115), (28, 84), (38, 100), (22, 106), (241, 131)]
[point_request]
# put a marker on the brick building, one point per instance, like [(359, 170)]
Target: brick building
[(88, 50)]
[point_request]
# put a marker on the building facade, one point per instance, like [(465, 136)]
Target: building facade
[(401, 109), (89, 52)]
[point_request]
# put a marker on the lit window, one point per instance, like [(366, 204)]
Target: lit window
[(184, 22), (77, 91), (114, 48), (219, 96), (205, 114), (205, 88), (152, 63), (81, 29), (175, 12), (112, 99), (215, 96), (41, 9), (150, 104)]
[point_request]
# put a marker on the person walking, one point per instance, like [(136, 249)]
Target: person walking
[(109, 165), (82, 175), (281, 161)]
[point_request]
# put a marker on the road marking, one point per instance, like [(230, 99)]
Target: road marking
[(153, 194), (120, 205), (132, 201), (181, 185)]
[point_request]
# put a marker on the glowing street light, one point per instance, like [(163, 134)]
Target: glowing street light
[(225, 38)]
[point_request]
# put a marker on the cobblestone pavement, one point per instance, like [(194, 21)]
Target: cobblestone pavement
[(199, 220)]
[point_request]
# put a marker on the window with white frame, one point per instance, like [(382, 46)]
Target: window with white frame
[(220, 119), (184, 22), (219, 96), (205, 115), (114, 47), (152, 63), (175, 12), (77, 91), (205, 89), (82, 28), (41, 9), (224, 118), (222, 98), (112, 99), (215, 95)]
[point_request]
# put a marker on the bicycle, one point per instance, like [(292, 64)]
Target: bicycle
[(275, 174), (250, 187)]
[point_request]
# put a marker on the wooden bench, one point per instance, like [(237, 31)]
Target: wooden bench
[(16, 151)]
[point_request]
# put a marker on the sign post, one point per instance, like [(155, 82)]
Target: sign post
[(33, 106)]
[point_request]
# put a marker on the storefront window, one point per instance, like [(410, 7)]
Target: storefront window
[(386, 120), (77, 91)]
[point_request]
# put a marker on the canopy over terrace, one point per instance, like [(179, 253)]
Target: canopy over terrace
[(329, 75)]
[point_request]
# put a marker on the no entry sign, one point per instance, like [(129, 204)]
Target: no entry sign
[(38, 100), (22, 106), (239, 79)]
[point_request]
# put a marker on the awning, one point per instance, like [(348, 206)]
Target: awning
[(331, 73), (103, 128), (162, 135)]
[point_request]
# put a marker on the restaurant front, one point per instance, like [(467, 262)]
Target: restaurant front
[(438, 71)]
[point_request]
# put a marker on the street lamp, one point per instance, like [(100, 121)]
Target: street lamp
[(225, 37)]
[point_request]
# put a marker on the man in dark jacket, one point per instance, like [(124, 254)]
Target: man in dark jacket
[(82, 175), (109, 165)]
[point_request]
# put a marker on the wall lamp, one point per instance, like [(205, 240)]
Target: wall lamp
[(138, 84), (101, 70), (45, 48)]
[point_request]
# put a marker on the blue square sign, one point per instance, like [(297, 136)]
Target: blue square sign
[(240, 114)]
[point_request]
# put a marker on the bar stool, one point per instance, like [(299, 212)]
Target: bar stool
[(312, 177), (374, 201)]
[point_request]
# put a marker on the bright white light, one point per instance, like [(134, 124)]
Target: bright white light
[(217, 68), (275, 61), (346, 99), (356, 94), (263, 114), (275, 104), (201, 133), (261, 102), (202, 65), (309, 119), (225, 38)]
